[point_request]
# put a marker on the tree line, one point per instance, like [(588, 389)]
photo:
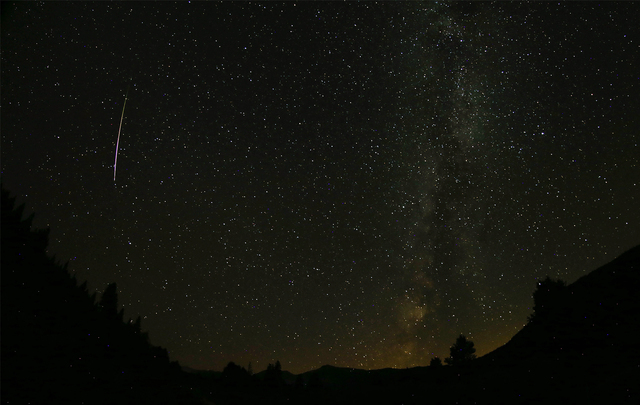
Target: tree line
[(61, 339), (60, 344)]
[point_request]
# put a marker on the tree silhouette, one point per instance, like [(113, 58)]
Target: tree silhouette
[(547, 296), (109, 302), (273, 376), (435, 362), (234, 375), (461, 353), (55, 336)]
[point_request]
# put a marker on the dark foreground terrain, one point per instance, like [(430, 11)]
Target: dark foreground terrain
[(61, 346), (580, 347)]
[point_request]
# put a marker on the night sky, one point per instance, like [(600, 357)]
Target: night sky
[(325, 183)]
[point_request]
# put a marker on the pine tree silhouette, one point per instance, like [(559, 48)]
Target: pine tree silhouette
[(461, 353), (435, 362), (273, 376), (547, 296), (58, 346)]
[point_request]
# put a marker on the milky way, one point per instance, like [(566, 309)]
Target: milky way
[(325, 183)]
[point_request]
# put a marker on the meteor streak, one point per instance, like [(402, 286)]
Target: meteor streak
[(115, 163)]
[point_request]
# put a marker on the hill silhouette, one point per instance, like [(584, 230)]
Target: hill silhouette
[(582, 349), (61, 347), (585, 347), (597, 317)]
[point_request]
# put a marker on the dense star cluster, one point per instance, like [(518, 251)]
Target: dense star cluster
[(353, 184)]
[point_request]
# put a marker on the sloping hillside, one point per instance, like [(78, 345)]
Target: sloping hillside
[(580, 348), (596, 317), (57, 338), (585, 346)]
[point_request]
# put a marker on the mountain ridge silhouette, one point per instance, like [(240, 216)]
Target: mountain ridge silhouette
[(601, 305), (584, 349)]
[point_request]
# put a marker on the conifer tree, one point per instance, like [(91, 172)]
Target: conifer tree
[(461, 353)]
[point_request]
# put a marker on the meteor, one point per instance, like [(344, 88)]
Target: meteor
[(115, 163)]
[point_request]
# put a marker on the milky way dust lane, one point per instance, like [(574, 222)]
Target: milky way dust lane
[(115, 163)]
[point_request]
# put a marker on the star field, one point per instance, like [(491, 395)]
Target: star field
[(352, 184)]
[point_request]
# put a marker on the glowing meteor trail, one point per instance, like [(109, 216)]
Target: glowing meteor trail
[(119, 129)]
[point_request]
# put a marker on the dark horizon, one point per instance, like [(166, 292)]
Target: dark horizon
[(56, 335), (353, 184)]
